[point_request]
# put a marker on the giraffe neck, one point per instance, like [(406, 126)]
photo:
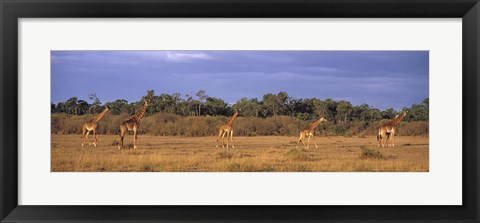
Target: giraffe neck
[(99, 116), (398, 119), (232, 119), (315, 124), (140, 113)]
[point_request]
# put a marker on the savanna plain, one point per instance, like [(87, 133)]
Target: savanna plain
[(251, 154)]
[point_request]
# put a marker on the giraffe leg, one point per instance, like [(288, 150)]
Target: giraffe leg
[(308, 141), (393, 141), (134, 138), (383, 139), (303, 142), (388, 141), (223, 139), (122, 135), (228, 137), (298, 141), (231, 137), (313, 137), (84, 129), (95, 138), (302, 139), (220, 131), (86, 137)]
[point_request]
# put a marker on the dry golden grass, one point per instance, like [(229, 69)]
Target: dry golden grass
[(251, 154)]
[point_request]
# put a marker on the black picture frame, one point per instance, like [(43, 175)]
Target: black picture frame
[(11, 11)]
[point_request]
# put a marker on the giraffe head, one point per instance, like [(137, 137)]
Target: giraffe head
[(403, 115), (323, 119)]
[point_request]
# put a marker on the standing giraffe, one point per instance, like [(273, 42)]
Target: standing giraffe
[(228, 130), (310, 131), (133, 124), (387, 131), (92, 126)]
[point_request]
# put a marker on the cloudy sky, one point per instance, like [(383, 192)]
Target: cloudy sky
[(381, 79)]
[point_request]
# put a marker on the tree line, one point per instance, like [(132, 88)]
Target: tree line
[(271, 105)]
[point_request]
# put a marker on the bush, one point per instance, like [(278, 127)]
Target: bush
[(336, 130), (224, 155), (369, 153), (417, 128), (68, 124), (297, 155), (165, 124)]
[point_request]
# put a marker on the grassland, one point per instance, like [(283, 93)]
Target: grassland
[(251, 154)]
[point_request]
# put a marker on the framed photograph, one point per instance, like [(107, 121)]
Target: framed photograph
[(232, 106), (225, 111)]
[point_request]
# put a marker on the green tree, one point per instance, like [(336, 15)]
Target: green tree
[(71, 106), (83, 107), (306, 105), (95, 107), (331, 106), (150, 94), (320, 107), (201, 96), (189, 105), (118, 107), (291, 106), (374, 114), (271, 105), (60, 107), (216, 106), (359, 112), (282, 98), (344, 109), (420, 112), (389, 113), (248, 107), (167, 103)]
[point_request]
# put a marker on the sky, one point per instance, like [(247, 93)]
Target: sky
[(382, 79)]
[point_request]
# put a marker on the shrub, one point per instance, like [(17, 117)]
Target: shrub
[(294, 154), (335, 129), (415, 128), (225, 155), (369, 153), (165, 124), (115, 142), (241, 167), (68, 124)]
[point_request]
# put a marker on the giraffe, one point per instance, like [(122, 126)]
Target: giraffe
[(228, 130), (133, 124), (310, 131), (387, 131), (92, 126)]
